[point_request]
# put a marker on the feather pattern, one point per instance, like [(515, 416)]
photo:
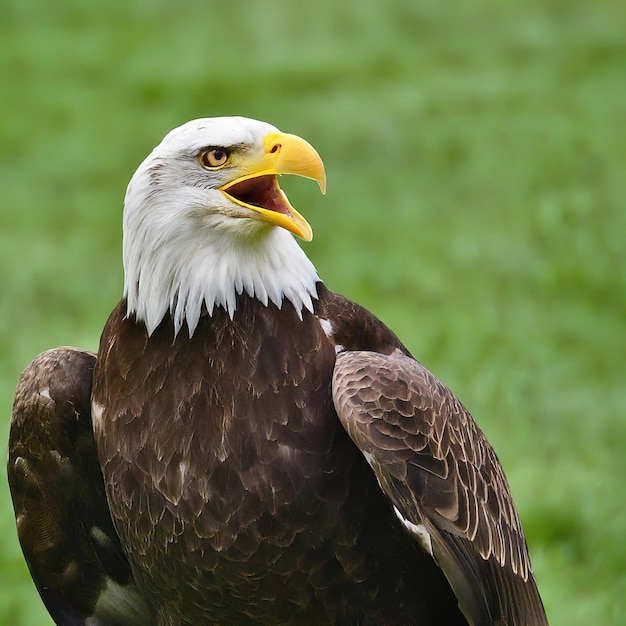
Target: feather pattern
[(247, 482), (63, 519), (441, 474)]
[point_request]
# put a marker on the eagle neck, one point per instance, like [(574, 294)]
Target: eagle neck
[(205, 270)]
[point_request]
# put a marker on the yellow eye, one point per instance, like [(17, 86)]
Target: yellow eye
[(212, 159)]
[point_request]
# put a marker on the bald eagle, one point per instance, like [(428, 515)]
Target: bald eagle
[(248, 447)]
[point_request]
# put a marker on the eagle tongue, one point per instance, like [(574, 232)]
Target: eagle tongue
[(263, 192)]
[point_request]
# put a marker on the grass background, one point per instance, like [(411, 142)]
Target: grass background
[(475, 153)]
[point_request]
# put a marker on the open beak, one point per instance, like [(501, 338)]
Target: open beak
[(258, 189)]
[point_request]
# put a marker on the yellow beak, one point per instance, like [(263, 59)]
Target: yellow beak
[(258, 189)]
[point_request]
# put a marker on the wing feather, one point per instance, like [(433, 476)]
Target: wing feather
[(441, 474), (63, 520)]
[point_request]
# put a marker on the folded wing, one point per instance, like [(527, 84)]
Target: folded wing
[(62, 515), (444, 481)]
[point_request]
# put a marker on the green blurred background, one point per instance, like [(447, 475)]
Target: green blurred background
[(476, 158)]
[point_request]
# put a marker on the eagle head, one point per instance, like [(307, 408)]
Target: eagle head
[(205, 221)]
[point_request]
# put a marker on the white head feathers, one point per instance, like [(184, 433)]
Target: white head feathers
[(185, 244)]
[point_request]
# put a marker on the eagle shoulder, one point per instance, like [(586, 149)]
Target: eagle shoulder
[(63, 521), (443, 479)]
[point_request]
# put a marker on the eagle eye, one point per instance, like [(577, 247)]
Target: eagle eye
[(214, 158)]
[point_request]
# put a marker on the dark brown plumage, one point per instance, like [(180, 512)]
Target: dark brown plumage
[(273, 465), (439, 471), (271, 483), (63, 520)]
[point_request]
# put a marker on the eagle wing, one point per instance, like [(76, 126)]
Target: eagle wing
[(63, 519), (444, 481)]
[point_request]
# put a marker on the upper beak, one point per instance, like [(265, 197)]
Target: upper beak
[(258, 189)]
